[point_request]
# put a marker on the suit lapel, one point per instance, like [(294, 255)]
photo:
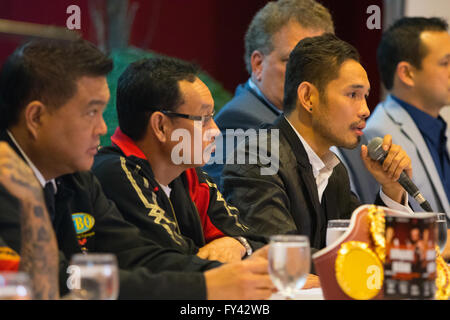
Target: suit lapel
[(304, 170), (410, 130), (63, 224), (447, 134), (264, 102)]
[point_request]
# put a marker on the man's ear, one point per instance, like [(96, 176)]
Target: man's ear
[(307, 96), (256, 61), (405, 72), (159, 126), (34, 112)]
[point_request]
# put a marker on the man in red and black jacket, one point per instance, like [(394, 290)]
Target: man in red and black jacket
[(154, 179), (52, 97)]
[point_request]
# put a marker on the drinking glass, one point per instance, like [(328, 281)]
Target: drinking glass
[(15, 286), (289, 263), (335, 229), (93, 277), (441, 223)]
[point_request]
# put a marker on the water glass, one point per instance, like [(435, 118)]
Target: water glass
[(15, 286), (335, 229), (441, 223), (93, 277), (289, 263)]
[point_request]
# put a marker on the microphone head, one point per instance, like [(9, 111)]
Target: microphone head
[(375, 148)]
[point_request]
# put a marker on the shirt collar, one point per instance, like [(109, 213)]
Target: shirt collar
[(432, 128), (129, 148), (329, 162), (126, 144), (255, 88), (36, 172)]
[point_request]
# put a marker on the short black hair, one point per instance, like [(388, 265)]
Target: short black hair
[(316, 60), (401, 42), (47, 71), (150, 85)]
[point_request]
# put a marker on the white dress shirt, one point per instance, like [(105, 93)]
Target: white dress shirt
[(322, 170), (167, 190)]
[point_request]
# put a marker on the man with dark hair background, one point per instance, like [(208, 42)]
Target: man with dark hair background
[(272, 34), (53, 94), (163, 192), (414, 63), (324, 105)]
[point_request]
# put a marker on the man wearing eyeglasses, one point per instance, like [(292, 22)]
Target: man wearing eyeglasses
[(52, 96), (152, 170)]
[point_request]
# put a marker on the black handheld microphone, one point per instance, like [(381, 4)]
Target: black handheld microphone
[(376, 152)]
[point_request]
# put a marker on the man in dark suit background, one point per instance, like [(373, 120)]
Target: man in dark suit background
[(271, 36), (324, 105)]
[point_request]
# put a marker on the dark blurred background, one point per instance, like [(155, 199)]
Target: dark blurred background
[(208, 32)]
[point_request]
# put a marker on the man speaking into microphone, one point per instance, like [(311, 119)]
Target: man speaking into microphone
[(324, 105)]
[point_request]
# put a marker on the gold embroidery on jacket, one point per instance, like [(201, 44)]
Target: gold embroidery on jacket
[(228, 208), (155, 210)]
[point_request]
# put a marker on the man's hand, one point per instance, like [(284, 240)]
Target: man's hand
[(312, 281), (17, 177), (225, 249), (389, 172), (244, 280), (261, 253)]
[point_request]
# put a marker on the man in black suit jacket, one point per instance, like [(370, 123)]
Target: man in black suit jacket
[(271, 36), (325, 105), (52, 97)]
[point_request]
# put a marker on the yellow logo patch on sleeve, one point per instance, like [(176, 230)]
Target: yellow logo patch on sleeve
[(83, 222)]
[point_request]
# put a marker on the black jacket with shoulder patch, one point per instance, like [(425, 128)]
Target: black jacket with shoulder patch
[(194, 214), (87, 221)]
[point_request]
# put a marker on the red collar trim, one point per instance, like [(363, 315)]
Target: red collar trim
[(128, 147)]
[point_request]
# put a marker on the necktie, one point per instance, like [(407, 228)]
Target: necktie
[(49, 194)]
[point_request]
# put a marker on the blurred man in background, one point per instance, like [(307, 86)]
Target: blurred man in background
[(414, 63), (324, 105), (272, 34)]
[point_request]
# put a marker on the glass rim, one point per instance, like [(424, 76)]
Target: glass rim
[(8, 275), (441, 216), (10, 279), (339, 222), (289, 238), (94, 257)]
